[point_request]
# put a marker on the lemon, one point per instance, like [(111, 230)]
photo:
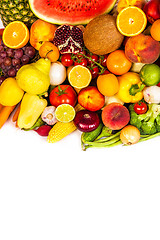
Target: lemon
[(10, 93), (34, 78), (65, 113)]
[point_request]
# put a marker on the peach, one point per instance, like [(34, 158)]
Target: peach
[(115, 116), (41, 32), (142, 48)]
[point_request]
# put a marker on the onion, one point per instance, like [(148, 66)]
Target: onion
[(57, 73), (130, 135)]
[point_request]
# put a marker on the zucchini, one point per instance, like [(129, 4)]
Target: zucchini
[(91, 136)]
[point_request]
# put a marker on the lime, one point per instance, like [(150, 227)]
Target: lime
[(150, 74), (65, 113)]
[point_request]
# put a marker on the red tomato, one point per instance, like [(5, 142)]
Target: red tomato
[(63, 94), (67, 60), (103, 60), (140, 107), (93, 57), (94, 71), (91, 99), (81, 61)]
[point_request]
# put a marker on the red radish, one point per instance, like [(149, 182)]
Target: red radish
[(43, 130)]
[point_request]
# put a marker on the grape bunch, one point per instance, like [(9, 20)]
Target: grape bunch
[(11, 60)]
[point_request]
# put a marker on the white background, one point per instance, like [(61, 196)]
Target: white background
[(58, 192)]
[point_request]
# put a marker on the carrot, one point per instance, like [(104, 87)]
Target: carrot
[(5, 113), (16, 114)]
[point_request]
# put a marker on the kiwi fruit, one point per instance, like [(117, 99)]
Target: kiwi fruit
[(101, 35)]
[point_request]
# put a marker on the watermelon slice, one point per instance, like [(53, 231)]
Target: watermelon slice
[(72, 12)]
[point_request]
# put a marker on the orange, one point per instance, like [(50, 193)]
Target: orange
[(131, 21), (50, 51), (155, 30), (15, 35), (108, 84), (126, 3), (118, 63), (79, 76)]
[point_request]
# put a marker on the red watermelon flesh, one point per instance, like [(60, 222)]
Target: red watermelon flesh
[(70, 11)]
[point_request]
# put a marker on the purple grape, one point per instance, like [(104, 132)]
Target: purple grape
[(15, 61), (10, 52), (18, 53), (1, 48), (12, 72), (2, 78), (17, 67), (30, 51), (1, 60), (3, 54), (25, 59), (7, 61)]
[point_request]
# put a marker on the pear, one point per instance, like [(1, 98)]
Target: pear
[(34, 78)]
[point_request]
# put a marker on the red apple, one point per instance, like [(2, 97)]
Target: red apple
[(152, 10)]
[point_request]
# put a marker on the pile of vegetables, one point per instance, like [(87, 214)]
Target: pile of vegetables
[(115, 102)]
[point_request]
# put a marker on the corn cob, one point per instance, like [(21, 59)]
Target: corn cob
[(61, 130)]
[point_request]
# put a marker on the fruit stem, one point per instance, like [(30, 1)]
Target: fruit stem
[(134, 89), (98, 64)]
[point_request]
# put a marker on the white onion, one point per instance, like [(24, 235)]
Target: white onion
[(57, 73)]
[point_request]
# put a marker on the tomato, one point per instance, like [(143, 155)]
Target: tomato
[(140, 107), (91, 99), (94, 71), (93, 57), (63, 94), (81, 61), (103, 60), (67, 60)]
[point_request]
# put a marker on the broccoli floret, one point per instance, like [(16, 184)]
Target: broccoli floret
[(148, 123)]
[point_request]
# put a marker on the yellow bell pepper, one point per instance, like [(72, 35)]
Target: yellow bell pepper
[(31, 108), (130, 88)]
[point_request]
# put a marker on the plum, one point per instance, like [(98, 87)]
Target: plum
[(115, 116)]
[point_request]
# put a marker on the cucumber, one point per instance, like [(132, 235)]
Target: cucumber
[(91, 136)]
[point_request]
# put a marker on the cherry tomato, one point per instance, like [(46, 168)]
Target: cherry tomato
[(93, 57), (63, 94), (140, 107), (158, 84), (67, 60), (94, 71), (103, 60), (81, 61), (80, 54)]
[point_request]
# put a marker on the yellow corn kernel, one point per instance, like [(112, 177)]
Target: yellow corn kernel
[(60, 130)]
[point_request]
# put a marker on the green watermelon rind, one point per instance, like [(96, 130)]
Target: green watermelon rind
[(58, 22)]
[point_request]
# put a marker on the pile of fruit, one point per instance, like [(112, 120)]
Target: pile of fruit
[(89, 66)]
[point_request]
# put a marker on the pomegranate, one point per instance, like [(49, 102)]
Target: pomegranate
[(68, 39), (152, 10)]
